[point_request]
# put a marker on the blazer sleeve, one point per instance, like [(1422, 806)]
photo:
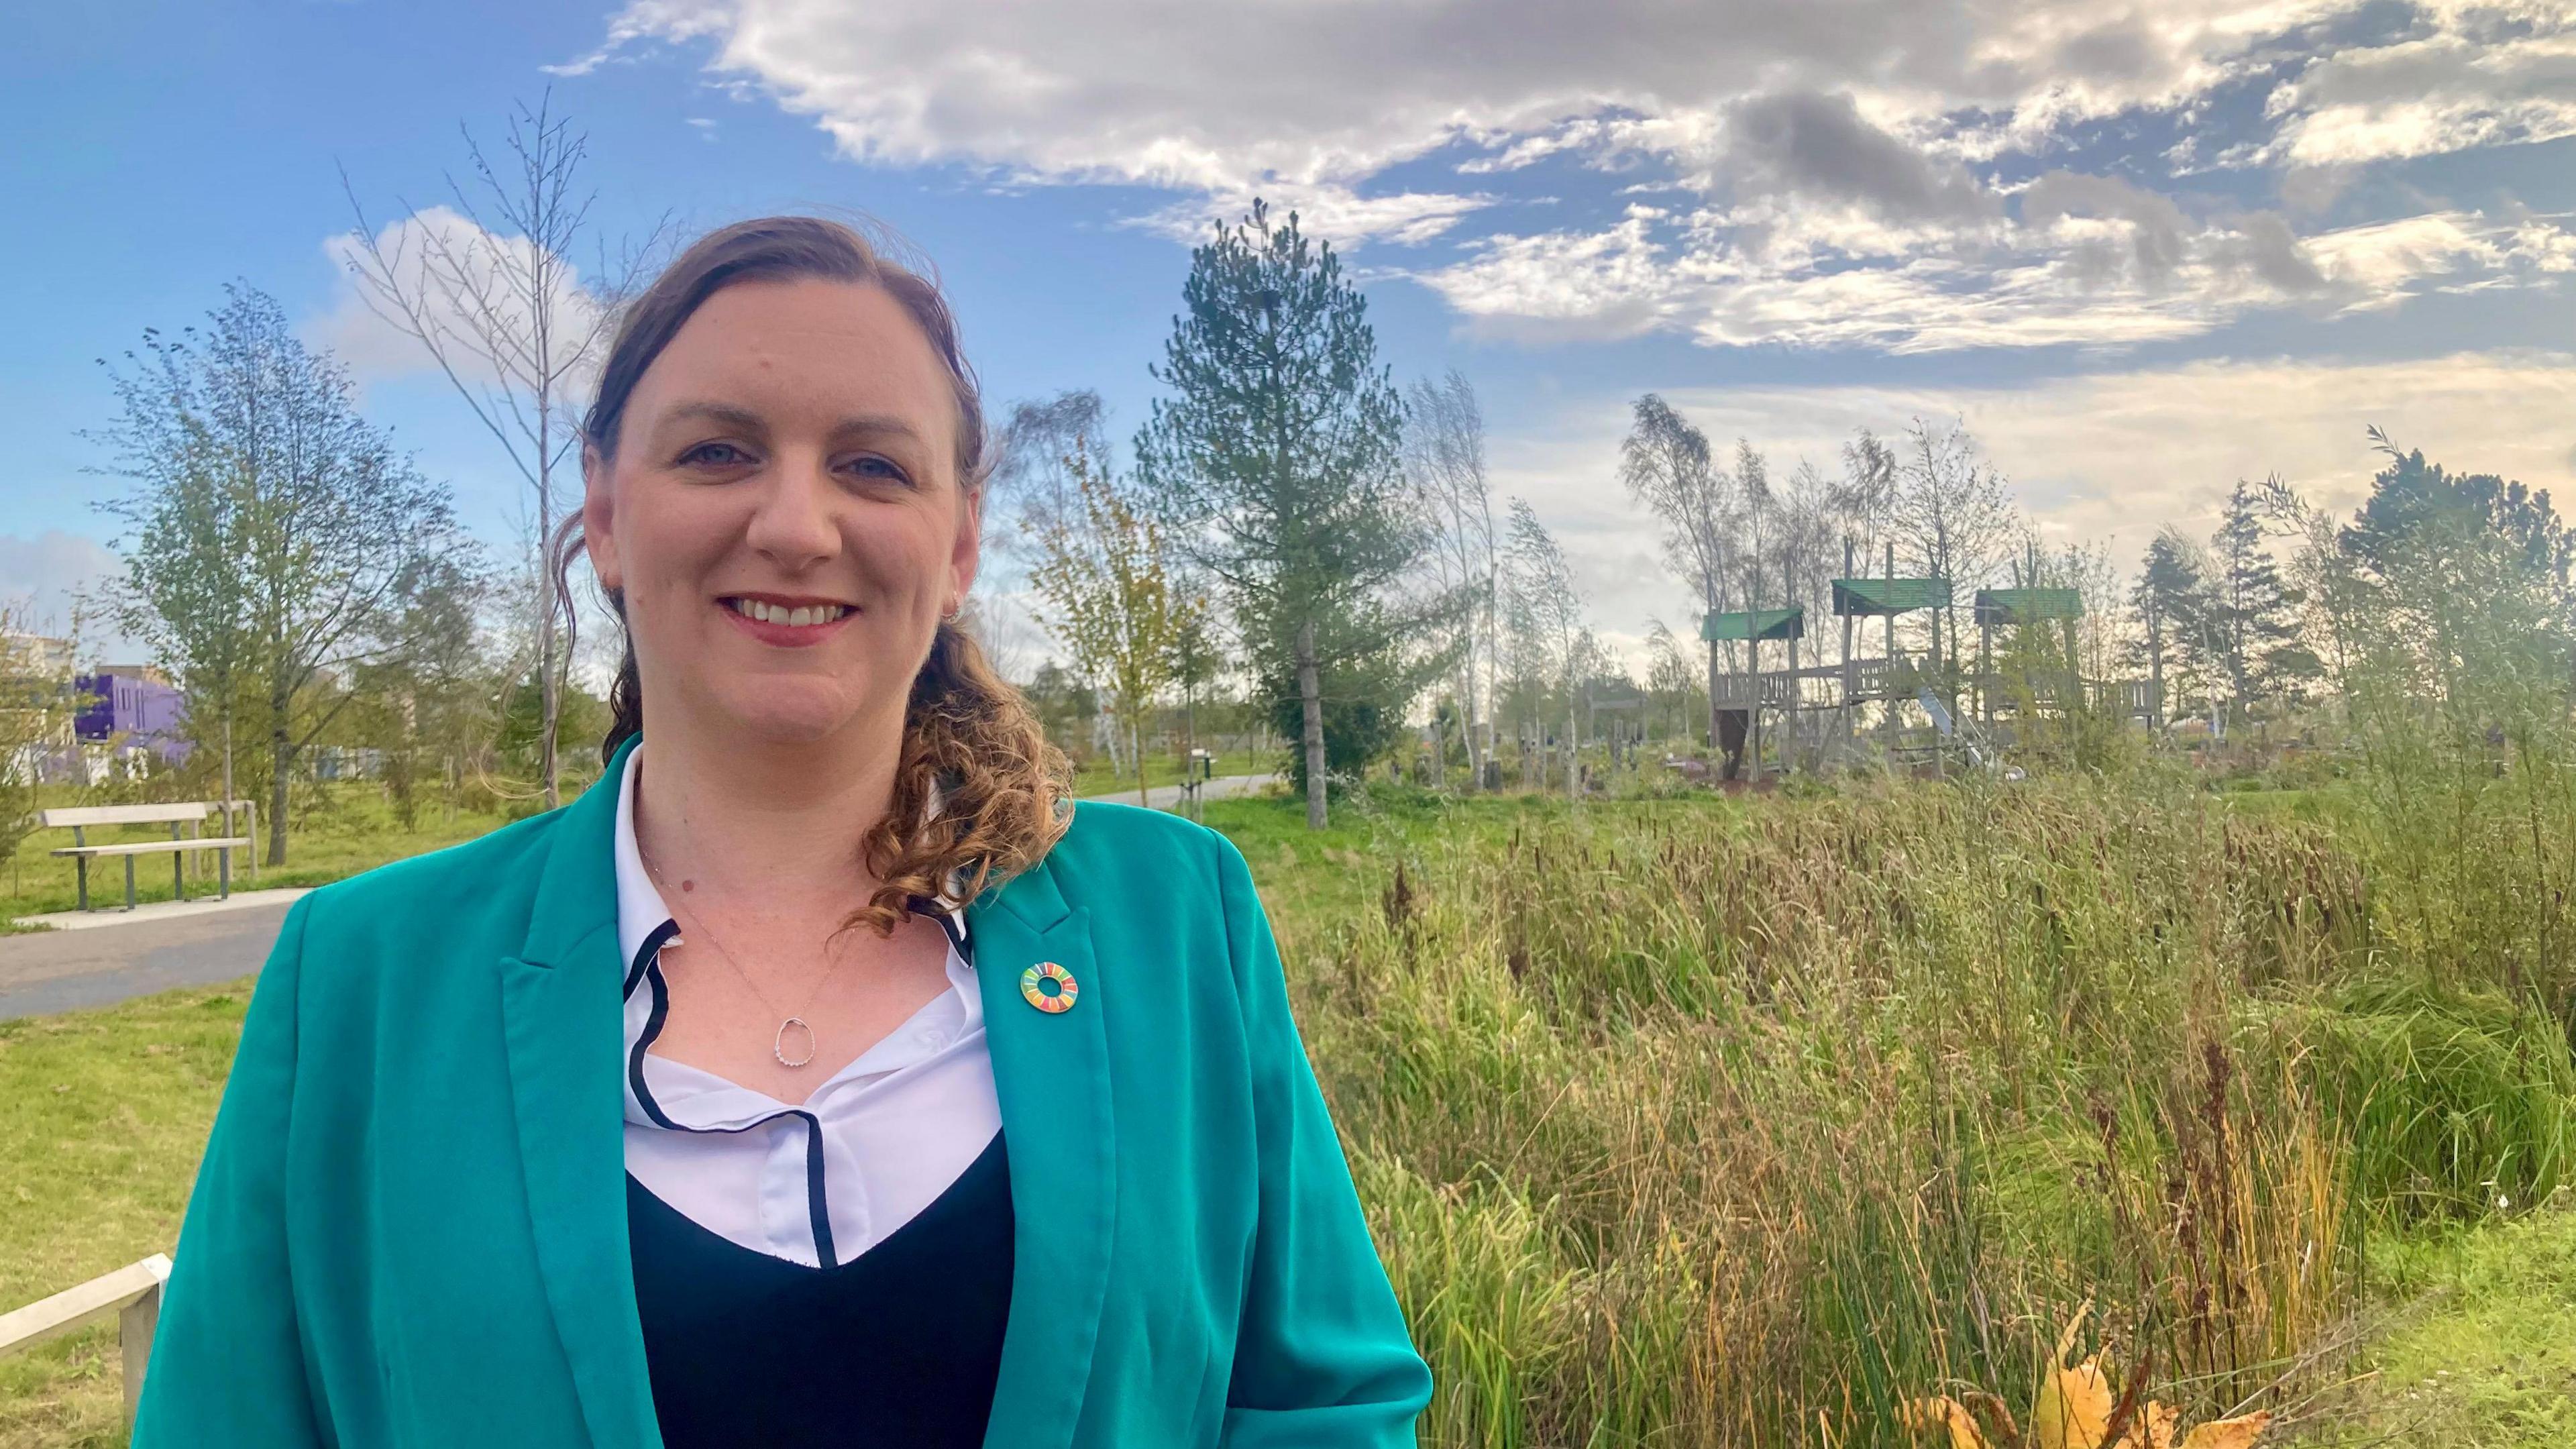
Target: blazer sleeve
[(1322, 1356), (228, 1368)]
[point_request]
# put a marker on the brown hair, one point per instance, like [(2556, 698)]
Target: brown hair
[(968, 736)]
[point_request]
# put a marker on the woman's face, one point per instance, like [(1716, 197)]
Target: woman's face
[(784, 513)]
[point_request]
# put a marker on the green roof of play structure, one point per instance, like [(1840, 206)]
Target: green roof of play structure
[(1872, 598), (2028, 606), (1788, 623)]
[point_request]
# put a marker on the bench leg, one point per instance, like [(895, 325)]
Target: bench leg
[(129, 882), (135, 1327), (80, 864), (224, 873), (178, 869)]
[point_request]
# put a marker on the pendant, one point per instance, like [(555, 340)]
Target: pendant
[(778, 1044)]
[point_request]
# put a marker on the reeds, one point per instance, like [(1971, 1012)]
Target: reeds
[(1684, 1124)]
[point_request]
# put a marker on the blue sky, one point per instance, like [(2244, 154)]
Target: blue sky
[(2142, 251)]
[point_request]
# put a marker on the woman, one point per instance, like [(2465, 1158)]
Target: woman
[(814, 1078)]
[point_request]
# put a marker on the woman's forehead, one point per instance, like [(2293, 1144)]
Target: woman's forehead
[(806, 352)]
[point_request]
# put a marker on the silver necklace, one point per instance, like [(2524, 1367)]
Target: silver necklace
[(796, 1019)]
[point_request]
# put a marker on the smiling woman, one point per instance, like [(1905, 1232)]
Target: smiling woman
[(614, 1128)]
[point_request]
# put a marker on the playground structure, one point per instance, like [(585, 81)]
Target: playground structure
[(1812, 711)]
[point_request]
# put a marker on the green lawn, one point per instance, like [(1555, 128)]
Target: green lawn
[(349, 828), (1093, 777)]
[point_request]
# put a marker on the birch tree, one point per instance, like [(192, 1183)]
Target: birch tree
[(1666, 465), (1444, 463)]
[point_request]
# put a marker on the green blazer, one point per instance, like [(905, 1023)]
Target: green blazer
[(409, 1227)]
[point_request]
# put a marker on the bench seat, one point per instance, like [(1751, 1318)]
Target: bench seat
[(146, 847)]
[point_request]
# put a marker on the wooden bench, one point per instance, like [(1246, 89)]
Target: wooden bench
[(192, 813), (132, 1293)]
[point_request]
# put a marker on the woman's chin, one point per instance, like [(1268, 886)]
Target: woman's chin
[(780, 714)]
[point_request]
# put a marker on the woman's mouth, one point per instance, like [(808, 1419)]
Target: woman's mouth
[(779, 622)]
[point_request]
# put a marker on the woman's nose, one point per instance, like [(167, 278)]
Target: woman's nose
[(793, 526)]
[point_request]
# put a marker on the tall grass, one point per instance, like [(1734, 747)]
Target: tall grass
[(1689, 1125)]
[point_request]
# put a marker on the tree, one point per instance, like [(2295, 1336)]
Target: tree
[(1666, 465), (1034, 478), (2173, 602), (1105, 577), (1545, 610), (1951, 518), (492, 295), (35, 701), (2253, 616), (1277, 457), (1444, 461), (2464, 595), (1673, 682), (275, 536)]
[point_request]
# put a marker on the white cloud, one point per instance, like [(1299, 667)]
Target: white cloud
[(55, 581), (2099, 265), (1809, 138), (2445, 92), (466, 277), (2109, 456)]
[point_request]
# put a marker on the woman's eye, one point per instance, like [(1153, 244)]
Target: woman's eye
[(872, 466), (720, 455)]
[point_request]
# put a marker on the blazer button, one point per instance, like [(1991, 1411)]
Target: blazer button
[(1049, 987)]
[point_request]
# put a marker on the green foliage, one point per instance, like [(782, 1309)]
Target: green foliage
[(1277, 456), (275, 536)]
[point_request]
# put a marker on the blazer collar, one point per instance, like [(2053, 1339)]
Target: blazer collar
[(562, 1016)]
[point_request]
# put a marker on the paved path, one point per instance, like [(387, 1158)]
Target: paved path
[(1168, 797), (113, 956), (53, 971)]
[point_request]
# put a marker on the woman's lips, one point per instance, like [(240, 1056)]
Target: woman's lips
[(784, 636)]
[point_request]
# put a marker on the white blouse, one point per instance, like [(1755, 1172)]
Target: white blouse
[(820, 1182)]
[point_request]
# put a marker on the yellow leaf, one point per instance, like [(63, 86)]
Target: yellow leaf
[(2154, 1429), (2074, 1407), (1944, 1412), (2228, 1433)]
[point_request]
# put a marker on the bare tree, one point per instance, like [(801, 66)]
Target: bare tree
[(1444, 461), (1036, 478), (1666, 465), (492, 295), (1546, 612), (1952, 518)]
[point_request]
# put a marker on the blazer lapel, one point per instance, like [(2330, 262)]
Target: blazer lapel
[(562, 1016), (1051, 1072)]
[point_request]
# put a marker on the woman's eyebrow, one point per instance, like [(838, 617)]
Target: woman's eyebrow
[(878, 423), (715, 412)]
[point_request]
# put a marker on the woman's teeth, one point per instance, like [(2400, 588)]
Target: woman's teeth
[(796, 618)]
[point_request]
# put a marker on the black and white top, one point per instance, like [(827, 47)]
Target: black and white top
[(816, 1183)]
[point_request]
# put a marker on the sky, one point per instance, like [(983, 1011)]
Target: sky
[(2141, 251)]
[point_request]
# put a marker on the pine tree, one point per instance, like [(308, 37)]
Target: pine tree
[(1278, 456), (2173, 604), (2253, 617)]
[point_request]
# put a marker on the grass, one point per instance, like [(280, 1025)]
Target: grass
[(1703, 1122), (339, 831), (107, 1113), (1094, 777)]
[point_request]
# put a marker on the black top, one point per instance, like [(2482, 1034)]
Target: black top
[(898, 1346)]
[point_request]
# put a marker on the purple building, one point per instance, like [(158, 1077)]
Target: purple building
[(136, 701)]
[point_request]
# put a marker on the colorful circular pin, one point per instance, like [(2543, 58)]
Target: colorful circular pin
[(1049, 987)]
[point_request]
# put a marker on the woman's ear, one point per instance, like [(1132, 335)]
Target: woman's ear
[(598, 519), (967, 555)]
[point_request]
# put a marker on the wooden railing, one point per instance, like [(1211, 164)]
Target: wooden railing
[(132, 1293)]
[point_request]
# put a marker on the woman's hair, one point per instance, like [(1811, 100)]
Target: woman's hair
[(969, 740)]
